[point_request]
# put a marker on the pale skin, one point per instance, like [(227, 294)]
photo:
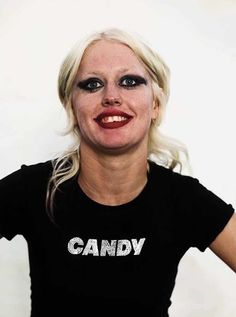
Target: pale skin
[(113, 161)]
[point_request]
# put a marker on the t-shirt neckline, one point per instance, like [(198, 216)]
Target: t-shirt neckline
[(82, 195)]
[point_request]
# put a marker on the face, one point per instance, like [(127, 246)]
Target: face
[(112, 99)]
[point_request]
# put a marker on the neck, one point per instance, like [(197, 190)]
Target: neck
[(112, 179)]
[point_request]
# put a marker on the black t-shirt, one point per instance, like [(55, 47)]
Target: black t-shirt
[(108, 260)]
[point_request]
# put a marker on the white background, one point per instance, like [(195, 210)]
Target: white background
[(197, 39)]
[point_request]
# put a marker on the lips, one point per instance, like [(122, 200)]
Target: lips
[(113, 119)]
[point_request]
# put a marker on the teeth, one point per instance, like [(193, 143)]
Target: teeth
[(113, 119)]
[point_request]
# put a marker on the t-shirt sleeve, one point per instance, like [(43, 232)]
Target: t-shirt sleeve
[(13, 205), (203, 215)]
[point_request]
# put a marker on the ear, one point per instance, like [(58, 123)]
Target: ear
[(155, 109)]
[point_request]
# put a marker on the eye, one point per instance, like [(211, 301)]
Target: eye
[(93, 85), (90, 84), (130, 81)]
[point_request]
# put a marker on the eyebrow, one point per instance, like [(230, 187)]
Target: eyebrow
[(99, 73)]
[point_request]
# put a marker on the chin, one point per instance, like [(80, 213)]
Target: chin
[(119, 148)]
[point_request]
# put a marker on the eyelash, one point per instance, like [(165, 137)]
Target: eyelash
[(136, 79)]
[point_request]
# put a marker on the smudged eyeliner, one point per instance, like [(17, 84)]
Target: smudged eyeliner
[(84, 83), (138, 80)]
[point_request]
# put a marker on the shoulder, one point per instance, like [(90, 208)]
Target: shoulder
[(177, 187), (38, 169), (172, 178), (36, 176), (26, 173), (35, 179)]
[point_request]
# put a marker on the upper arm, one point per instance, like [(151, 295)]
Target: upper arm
[(224, 246)]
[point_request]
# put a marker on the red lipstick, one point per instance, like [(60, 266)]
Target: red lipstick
[(113, 119)]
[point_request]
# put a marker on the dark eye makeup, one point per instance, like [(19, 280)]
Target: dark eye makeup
[(132, 81), (128, 81), (90, 84)]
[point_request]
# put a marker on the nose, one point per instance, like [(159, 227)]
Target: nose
[(111, 97)]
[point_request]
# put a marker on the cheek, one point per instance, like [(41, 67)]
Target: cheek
[(84, 117), (145, 106), (85, 105), (79, 107)]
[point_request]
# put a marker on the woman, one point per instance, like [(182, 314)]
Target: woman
[(97, 243)]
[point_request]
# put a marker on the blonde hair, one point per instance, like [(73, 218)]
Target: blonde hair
[(161, 149)]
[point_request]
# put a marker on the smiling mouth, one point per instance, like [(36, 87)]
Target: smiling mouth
[(113, 120)]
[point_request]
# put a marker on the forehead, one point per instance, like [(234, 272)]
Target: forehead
[(109, 55)]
